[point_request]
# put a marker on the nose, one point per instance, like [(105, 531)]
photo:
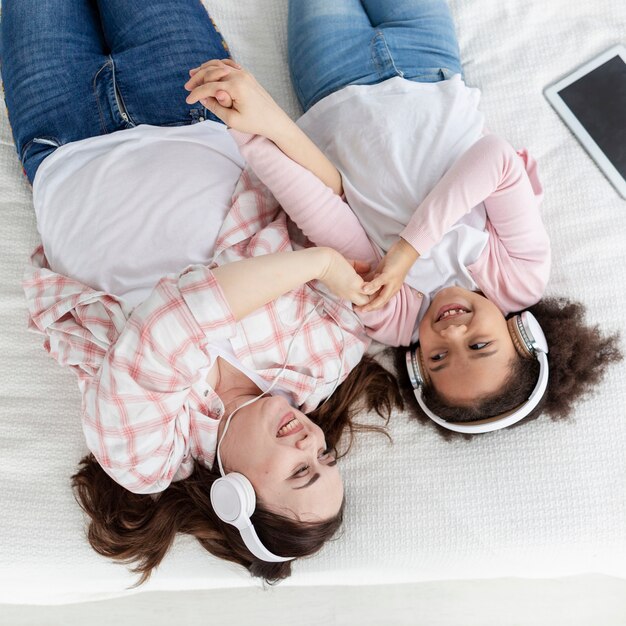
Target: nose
[(453, 331), (311, 439), (304, 442)]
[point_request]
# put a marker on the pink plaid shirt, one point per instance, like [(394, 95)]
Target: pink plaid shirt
[(147, 409)]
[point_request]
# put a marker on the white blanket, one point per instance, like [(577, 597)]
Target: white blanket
[(545, 500)]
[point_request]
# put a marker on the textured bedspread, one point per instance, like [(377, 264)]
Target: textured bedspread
[(545, 500)]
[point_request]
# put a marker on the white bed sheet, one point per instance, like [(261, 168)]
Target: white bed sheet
[(546, 500)]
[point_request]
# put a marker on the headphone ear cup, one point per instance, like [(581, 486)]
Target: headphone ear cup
[(233, 499), (534, 332), (419, 359), (516, 337), (527, 335)]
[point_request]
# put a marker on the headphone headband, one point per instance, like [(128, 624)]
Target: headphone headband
[(233, 500), (529, 340)]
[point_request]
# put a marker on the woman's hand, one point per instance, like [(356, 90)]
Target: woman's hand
[(251, 283), (344, 277), (388, 277), (234, 95)]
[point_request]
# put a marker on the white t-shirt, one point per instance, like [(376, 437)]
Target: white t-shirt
[(119, 211), (392, 143)]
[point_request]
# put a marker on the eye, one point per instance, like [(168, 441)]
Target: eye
[(438, 357), (480, 345), (301, 471), (324, 454)]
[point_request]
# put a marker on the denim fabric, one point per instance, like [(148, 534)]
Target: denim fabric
[(73, 69), (335, 43)]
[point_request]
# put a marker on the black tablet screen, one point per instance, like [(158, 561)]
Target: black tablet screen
[(598, 100)]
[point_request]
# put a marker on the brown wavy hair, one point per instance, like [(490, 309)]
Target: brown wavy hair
[(138, 530), (579, 356)]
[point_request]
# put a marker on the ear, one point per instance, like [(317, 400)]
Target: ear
[(520, 345)]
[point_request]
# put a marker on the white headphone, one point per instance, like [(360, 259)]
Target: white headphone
[(233, 500), (529, 341)]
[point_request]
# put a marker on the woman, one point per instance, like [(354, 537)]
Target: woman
[(175, 359), (447, 212)]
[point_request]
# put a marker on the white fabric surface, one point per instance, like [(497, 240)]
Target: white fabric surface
[(86, 199), (545, 500)]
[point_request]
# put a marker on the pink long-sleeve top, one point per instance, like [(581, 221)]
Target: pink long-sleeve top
[(512, 269)]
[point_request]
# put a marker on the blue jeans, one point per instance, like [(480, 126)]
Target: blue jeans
[(335, 43), (74, 69)]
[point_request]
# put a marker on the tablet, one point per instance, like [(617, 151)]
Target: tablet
[(592, 102)]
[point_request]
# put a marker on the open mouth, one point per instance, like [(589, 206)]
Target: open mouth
[(289, 425), (450, 310)]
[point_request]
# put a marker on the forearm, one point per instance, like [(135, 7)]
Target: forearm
[(251, 283), (296, 144), (310, 203), (488, 169)]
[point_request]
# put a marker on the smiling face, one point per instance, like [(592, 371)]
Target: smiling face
[(283, 454), (465, 345)]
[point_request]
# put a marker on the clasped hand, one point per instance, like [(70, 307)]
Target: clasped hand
[(387, 279), (344, 277), (234, 95)]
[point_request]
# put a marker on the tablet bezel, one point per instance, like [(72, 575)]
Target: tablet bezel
[(551, 93)]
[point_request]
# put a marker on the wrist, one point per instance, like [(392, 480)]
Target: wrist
[(285, 132), (323, 259), (408, 252)]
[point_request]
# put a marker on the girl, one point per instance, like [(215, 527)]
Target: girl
[(449, 213), (177, 330)]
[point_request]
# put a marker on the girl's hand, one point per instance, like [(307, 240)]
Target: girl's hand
[(213, 70), (344, 277), (235, 96), (386, 280)]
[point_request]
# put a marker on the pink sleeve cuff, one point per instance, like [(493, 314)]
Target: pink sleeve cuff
[(241, 139)]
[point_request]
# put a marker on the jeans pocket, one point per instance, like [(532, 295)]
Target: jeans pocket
[(37, 145), (34, 152)]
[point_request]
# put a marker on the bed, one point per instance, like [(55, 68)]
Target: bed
[(547, 500)]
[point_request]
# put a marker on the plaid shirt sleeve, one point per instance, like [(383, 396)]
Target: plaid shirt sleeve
[(138, 413), (142, 418), (78, 323)]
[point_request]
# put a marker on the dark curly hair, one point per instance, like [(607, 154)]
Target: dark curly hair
[(579, 356), (138, 529)]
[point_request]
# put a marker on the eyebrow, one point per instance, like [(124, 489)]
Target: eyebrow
[(310, 482), (316, 475), (478, 355)]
